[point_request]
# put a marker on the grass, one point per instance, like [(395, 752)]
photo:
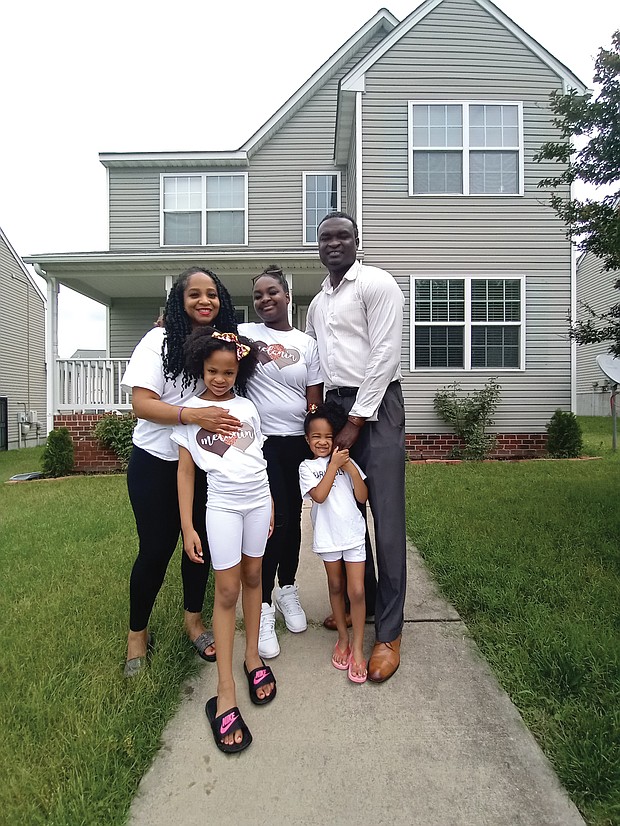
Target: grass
[(80, 736), (529, 557)]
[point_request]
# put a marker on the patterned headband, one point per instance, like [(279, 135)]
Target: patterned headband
[(242, 349)]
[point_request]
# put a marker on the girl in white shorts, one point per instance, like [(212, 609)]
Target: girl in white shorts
[(334, 482), (238, 518)]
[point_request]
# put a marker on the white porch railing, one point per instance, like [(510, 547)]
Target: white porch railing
[(85, 385)]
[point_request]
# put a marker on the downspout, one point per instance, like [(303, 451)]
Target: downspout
[(51, 344)]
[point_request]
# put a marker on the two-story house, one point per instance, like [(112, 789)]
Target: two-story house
[(22, 353), (424, 131)]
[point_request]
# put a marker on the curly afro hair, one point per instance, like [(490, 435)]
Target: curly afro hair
[(330, 411), (178, 326), (200, 344)]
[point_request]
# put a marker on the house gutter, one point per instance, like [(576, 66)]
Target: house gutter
[(51, 343)]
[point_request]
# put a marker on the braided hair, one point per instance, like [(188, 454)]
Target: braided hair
[(178, 326), (274, 271), (200, 344)]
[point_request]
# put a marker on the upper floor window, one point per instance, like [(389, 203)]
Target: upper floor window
[(467, 323), (321, 194), (203, 210), (458, 148)]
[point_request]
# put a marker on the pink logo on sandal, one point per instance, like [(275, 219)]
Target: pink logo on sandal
[(260, 674), (227, 722)]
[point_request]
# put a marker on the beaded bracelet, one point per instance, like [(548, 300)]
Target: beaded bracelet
[(181, 409)]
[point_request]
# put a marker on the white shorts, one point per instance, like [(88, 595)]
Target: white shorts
[(349, 554), (232, 532)]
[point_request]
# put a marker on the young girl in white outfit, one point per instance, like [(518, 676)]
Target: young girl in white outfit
[(238, 517), (334, 482)]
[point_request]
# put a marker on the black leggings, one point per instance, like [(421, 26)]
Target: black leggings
[(284, 454), (152, 485)]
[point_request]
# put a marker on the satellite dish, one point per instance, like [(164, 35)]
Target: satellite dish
[(610, 365)]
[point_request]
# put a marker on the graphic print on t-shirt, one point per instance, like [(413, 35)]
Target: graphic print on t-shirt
[(214, 443), (280, 355)]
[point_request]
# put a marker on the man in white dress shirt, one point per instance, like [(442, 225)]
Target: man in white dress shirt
[(357, 321)]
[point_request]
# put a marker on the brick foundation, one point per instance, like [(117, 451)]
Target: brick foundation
[(423, 446), (90, 456)]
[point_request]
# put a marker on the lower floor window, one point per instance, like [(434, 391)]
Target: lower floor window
[(467, 323)]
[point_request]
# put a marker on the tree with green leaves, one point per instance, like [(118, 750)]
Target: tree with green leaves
[(594, 224)]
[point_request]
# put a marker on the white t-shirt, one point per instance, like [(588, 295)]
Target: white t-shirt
[(288, 363), (146, 369), (234, 464), (337, 522)]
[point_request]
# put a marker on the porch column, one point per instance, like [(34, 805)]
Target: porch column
[(51, 349), (289, 281)]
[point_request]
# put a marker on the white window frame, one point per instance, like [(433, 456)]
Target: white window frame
[(305, 175), (467, 323), (465, 148), (203, 210)]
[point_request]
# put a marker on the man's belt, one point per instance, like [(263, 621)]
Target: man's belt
[(344, 391)]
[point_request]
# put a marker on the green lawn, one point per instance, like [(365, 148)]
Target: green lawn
[(79, 736), (528, 553)]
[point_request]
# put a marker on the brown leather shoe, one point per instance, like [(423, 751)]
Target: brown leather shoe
[(384, 661), (330, 623)]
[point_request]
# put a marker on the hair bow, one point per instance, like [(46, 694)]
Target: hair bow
[(242, 349)]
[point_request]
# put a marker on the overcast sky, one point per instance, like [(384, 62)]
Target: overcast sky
[(82, 78)]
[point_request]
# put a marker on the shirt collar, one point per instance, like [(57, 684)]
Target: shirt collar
[(350, 275)]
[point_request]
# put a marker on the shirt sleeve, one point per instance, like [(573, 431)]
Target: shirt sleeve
[(384, 302), (180, 436), (314, 365), (307, 480), (310, 331), (145, 368), (361, 472)]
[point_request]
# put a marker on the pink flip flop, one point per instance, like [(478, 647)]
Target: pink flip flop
[(346, 653), (356, 678)]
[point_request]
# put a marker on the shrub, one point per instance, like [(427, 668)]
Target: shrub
[(115, 432), (57, 459), (469, 416), (564, 440)]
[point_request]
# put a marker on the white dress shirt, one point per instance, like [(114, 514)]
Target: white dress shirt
[(358, 328)]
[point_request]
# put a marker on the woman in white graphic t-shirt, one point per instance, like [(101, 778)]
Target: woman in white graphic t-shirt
[(286, 384)]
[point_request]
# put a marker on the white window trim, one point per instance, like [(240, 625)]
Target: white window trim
[(467, 323), (244, 309), (203, 209), (304, 175), (465, 148)]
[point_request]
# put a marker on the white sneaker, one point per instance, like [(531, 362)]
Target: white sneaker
[(268, 645), (287, 602)]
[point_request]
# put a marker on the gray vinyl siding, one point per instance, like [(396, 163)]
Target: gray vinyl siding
[(305, 143), (134, 208), (595, 287), (130, 319), (458, 52), (22, 347)]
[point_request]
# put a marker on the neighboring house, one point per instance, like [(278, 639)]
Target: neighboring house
[(425, 131), (595, 287), (22, 353)]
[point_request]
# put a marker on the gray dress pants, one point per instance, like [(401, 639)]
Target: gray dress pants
[(380, 452)]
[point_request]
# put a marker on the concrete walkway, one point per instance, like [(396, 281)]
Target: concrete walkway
[(440, 744)]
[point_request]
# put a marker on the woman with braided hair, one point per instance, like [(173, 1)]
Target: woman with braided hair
[(160, 385)]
